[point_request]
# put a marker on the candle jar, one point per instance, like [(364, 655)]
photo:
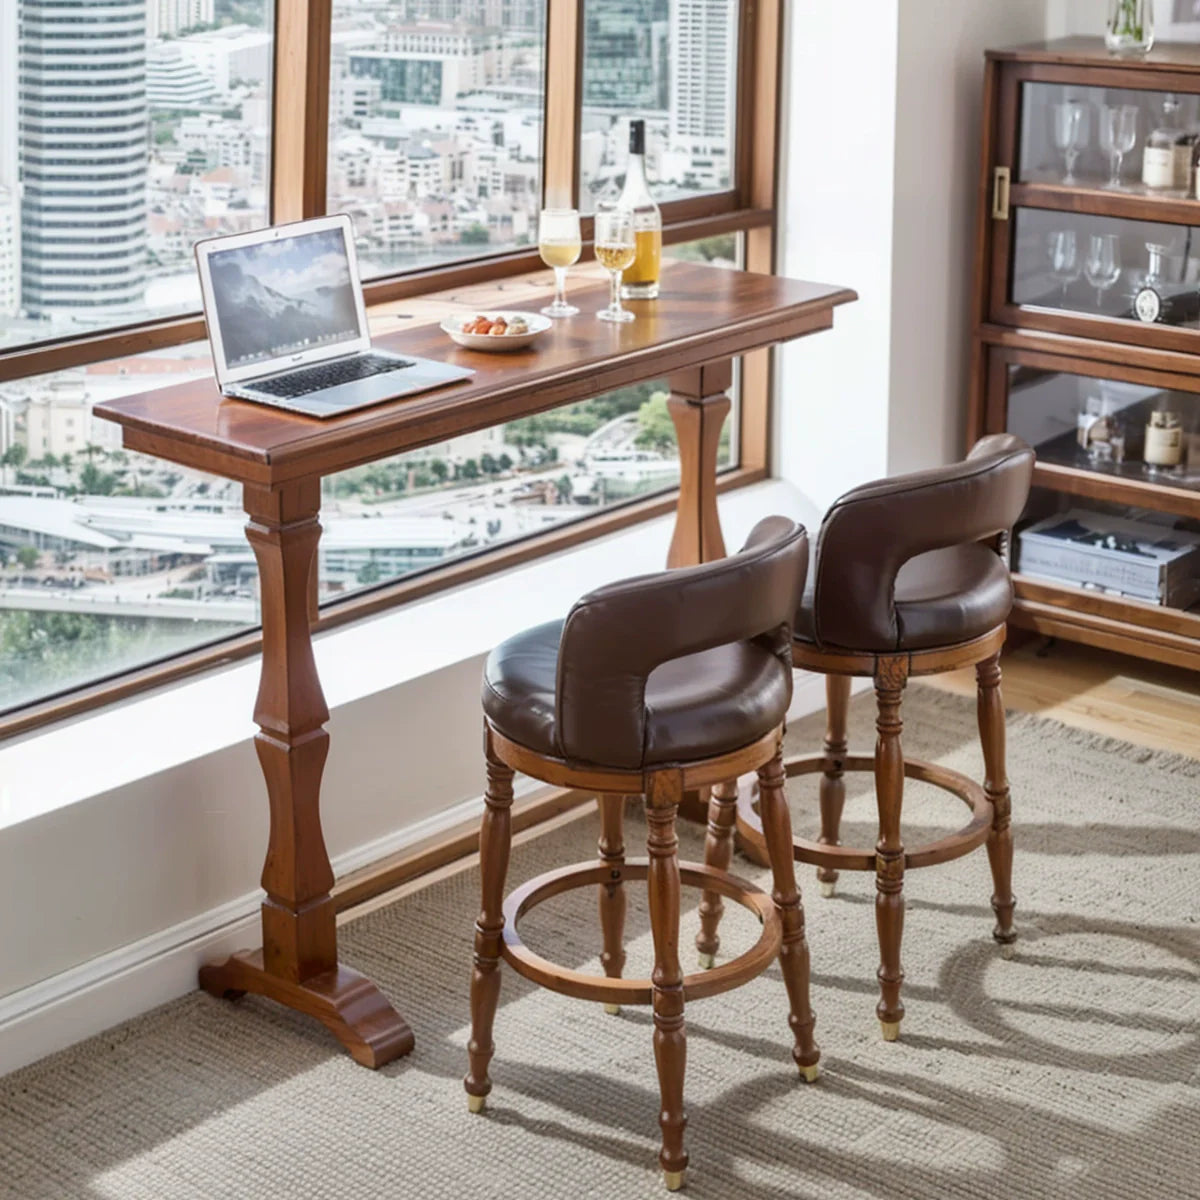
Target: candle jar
[(1130, 26), (1164, 442)]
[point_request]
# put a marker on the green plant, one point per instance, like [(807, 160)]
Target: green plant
[(1126, 21)]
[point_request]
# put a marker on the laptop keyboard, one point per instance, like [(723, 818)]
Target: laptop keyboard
[(327, 375)]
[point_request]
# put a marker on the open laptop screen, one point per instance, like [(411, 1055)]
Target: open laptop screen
[(283, 297)]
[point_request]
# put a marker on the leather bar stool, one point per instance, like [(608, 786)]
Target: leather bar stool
[(651, 686), (903, 585)]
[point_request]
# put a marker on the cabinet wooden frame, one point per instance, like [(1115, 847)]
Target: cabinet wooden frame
[(1006, 334), (299, 164)]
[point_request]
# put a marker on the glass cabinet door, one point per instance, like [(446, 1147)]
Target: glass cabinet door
[(1101, 222), (1135, 438)]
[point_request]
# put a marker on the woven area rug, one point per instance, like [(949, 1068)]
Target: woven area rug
[(1071, 1071)]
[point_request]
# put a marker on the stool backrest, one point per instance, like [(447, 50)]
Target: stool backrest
[(615, 636), (874, 529)]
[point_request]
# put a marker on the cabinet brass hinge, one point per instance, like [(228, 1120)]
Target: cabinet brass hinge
[(1000, 181)]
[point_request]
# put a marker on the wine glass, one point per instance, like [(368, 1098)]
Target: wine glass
[(1070, 133), (559, 244), (1103, 263), (615, 250), (1118, 133), (1064, 259)]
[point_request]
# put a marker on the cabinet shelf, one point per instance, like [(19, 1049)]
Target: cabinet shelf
[(1181, 499), (1117, 623), (1133, 203)]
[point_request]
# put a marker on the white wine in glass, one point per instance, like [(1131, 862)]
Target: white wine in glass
[(616, 249), (559, 244)]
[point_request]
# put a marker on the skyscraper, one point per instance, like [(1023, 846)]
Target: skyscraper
[(82, 145), (703, 48)]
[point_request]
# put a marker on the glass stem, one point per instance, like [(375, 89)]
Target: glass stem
[(560, 286), (615, 303)]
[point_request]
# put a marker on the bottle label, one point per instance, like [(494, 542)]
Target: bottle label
[(1147, 305), (1158, 167), (1182, 156)]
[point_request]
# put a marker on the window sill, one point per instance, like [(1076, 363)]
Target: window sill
[(155, 731)]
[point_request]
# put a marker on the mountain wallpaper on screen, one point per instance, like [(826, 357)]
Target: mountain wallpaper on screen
[(283, 297)]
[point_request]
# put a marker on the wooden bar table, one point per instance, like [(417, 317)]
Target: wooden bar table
[(704, 318)]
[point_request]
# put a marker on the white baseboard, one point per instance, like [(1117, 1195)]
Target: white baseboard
[(96, 995), (66, 1008)]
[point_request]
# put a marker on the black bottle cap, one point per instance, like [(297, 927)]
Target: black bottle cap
[(637, 137)]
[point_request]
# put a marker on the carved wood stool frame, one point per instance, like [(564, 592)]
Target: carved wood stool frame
[(667, 989), (990, 804)]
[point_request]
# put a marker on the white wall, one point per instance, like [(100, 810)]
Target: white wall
[(880, 171)]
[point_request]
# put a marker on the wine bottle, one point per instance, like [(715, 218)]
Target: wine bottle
[(640, 281)]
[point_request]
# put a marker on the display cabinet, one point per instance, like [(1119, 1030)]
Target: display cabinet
[(1087, 335)]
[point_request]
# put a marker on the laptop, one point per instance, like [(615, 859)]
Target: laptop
[(287, 325)]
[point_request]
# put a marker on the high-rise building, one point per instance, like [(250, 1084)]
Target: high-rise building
[(171, 16), (82, 143), (622, 66), (10, 254), (703, 39), (10, 211)]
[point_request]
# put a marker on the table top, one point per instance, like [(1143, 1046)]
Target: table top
[(703, 314)]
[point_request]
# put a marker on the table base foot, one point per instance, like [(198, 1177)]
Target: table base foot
[(348, 1004)]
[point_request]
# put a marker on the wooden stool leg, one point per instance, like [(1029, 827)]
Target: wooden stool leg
[(833, 785), (670, 1039), (612, 893), (495, 839), (793, 953), (718, 852), (995, 784), (890, 677)]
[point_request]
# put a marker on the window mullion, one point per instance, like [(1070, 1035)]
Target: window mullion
[(564, 97), (300, 134)]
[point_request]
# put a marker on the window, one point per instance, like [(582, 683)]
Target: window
[(130, 129), (435, 124), (673, 63)]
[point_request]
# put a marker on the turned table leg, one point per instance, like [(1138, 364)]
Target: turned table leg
[(298, 964), (698, 405)]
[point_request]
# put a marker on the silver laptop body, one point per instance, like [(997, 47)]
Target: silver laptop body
[(287, 324)]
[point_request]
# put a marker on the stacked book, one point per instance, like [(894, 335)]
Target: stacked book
[(1128, 556)]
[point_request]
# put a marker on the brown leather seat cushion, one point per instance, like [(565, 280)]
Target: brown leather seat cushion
[(695, 707), (942, 597)]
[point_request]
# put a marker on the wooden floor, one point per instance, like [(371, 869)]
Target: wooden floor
[(1121, 697)]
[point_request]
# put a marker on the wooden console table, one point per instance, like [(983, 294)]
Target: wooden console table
[(704, 319)]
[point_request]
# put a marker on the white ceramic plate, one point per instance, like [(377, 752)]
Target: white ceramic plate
[(500, 341)]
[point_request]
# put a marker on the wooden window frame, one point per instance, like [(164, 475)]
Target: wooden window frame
[(299, 166)]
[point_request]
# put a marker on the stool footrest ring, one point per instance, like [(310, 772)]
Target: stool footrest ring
[(850, 858), (638, 991)]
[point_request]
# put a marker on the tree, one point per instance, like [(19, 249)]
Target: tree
[(439, 470), (369, 573), (28, 556), (470, 469), (505, 462), (488, 465), (656, 430), (95, 482), (475, 235), (565, 489), (15, 455)]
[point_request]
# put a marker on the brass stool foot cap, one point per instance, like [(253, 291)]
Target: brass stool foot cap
[(673, 1180), (829, 890), (613, 1010), (811, 1074), (706, 961), (1008, 950), (475, 1103), (890, 1030)]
